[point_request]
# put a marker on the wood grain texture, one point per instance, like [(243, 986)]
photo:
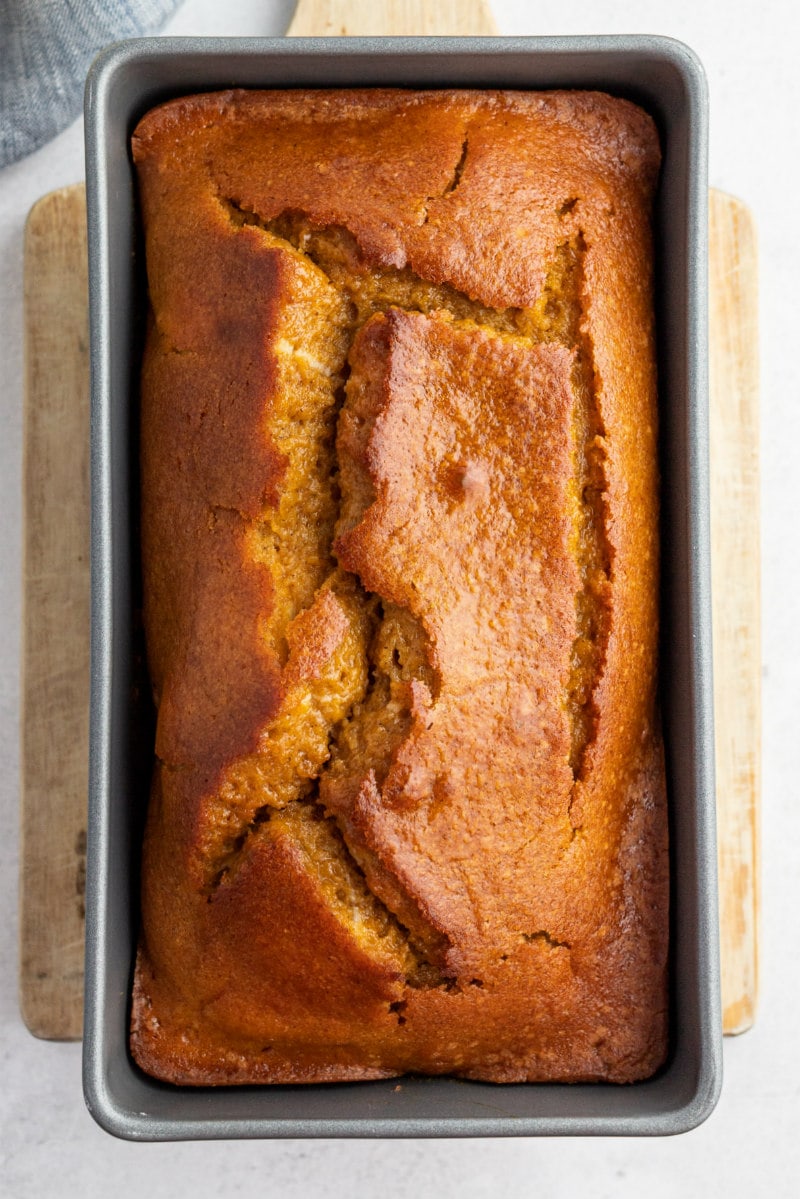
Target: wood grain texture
[(55, 652), (373, 18), (733, 401)]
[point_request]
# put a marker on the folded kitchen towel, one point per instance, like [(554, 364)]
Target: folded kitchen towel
[(46, 47)]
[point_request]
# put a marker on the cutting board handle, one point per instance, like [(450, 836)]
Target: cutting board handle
[(374, 18)]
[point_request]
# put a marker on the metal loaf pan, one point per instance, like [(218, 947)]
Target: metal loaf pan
[(127, 79)]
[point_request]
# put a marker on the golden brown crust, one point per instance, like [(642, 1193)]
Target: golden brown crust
[(400, 553)]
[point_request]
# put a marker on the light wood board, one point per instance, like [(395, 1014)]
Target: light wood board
[(373, 18), (55, 650), (56, 622), (733, 417)]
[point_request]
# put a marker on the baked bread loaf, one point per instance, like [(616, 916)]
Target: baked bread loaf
[(400, 547)]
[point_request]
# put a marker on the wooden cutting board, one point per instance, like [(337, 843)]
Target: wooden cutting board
[(55, 652)]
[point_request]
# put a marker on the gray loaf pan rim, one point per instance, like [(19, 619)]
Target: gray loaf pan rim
[(667, 79)]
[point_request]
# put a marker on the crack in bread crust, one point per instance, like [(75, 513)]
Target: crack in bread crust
[(385, 650)]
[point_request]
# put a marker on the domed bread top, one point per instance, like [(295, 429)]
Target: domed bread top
[(400, 555)]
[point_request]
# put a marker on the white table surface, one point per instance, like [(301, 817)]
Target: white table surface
[(49, 1144)]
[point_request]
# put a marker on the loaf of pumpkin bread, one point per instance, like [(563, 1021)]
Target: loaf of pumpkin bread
[(400, 554)]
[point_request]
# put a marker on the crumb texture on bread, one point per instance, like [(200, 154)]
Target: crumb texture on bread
[(400, 552)]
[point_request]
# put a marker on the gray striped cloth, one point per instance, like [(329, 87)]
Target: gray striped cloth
[(46, 47)]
